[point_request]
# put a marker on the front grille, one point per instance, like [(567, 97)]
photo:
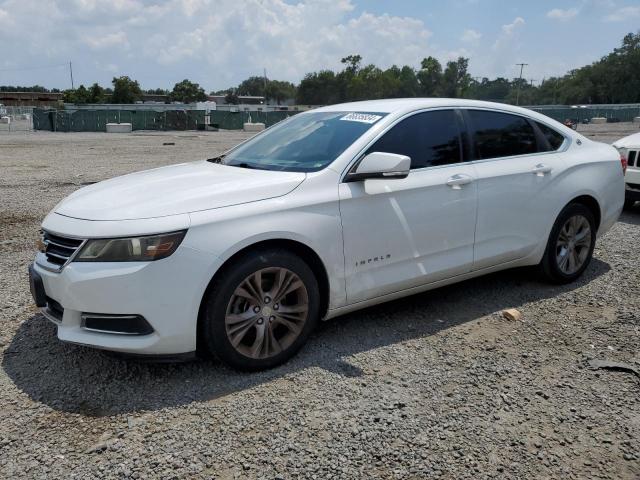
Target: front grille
[(59, 249), (633, 160)]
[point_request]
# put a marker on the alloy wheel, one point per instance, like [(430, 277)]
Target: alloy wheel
[(267, 312), (573, 244)]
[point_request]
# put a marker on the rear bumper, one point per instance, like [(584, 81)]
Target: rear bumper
[(632, 191)]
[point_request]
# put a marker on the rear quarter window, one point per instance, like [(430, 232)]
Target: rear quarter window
[(554, 138)]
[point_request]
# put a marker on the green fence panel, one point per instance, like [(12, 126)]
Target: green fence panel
[(579, 114), (96, 120)]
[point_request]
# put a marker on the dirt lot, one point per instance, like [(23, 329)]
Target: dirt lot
[(438, 385)]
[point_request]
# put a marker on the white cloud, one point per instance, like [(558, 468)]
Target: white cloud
[(216, 43), (622, 14), (470, 36), (510, 28), (504, 53), (563, 15), (98, 41)]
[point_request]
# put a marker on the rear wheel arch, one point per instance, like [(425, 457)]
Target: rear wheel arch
[(592, 204), (303, 251)]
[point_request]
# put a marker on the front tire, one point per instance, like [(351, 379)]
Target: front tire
[(570, 245), (261, 310)]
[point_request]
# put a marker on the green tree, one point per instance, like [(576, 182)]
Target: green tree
[(187, 92), (95, 94), (429, 77), (125, 90), (232, 97), (280, 91), (455, 79), (252, 86), (318, 88), (78, 96)]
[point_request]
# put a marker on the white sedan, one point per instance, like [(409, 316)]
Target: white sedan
[(330, 211)]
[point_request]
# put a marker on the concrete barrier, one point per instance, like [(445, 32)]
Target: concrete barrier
[(119, 128), (598, 120), (6, 120), (253, 127), (636, 119)]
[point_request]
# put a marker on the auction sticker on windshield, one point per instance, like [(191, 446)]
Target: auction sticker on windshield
[(362, 117)]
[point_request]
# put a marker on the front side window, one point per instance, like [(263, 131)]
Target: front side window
[(554, 138), (498, 134), (428, 138), (307, 142)]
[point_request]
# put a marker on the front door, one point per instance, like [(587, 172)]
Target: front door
[(401, 233)]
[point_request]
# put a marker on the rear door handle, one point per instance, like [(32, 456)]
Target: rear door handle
[(458, 180), (541, 169)]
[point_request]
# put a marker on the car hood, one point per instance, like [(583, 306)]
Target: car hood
[(176, 189)]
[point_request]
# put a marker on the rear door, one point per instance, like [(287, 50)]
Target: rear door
[(401, 233), (516, 167)]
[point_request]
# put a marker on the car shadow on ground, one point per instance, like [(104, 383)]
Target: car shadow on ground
[(77, 379), (631, 215)]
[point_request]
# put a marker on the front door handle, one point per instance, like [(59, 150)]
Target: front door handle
[(541, 169), (458, 180)]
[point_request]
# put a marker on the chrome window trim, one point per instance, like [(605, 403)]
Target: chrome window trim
[(358, 156)]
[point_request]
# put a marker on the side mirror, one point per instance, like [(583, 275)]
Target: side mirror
[(381, 165)]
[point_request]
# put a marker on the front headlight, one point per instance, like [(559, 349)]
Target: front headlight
[(133, 249)]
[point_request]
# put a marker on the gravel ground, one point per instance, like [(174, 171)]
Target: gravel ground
[(438, 385)]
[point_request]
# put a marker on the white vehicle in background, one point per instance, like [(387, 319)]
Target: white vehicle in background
[(629, 147), (327, 212)]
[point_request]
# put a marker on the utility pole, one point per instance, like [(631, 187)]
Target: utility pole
[(522, 65), (531, 80), (71, 74), (265, 84)]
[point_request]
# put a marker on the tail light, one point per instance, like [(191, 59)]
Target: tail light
[(624, 163)]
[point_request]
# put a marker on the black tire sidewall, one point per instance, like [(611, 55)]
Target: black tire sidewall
[(214, 330), (549, 262)]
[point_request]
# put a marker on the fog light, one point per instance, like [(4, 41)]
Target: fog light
[(116, 324)]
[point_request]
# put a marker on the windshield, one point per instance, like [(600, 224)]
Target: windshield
[(305, 143)]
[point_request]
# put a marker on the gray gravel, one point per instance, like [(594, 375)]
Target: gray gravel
[(438, 385)]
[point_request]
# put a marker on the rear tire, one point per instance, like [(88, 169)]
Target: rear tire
[(570, 245), (260, 310)]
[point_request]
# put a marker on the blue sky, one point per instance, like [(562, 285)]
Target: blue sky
[(220, 42)]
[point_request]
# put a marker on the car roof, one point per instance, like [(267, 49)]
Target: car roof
[(402, 105)]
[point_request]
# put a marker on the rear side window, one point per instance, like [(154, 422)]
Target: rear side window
[(428, 138), (554, 138), (498, 134)]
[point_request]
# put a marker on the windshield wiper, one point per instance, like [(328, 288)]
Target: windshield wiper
[(244, 165), (217, 159)]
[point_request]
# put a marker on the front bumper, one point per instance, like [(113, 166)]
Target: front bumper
[(166, 293)]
